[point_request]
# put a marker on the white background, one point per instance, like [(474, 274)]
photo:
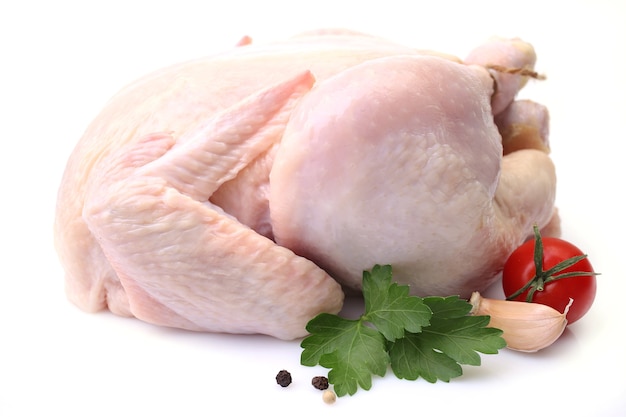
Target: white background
[(61, 60)]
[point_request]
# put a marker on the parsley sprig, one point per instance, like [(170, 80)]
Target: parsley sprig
[(427, 337)]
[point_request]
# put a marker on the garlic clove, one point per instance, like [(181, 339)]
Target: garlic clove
[(527, 327)]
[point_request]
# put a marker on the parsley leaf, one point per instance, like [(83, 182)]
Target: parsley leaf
[(389, 306), (355, 351), (458, 335), (411, 359), (419, 337), (452, 339), (352, 350)]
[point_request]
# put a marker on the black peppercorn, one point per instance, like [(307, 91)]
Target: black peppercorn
[(283, 378), (320, 382)]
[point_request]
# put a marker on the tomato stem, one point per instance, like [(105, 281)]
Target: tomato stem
[(541, 278)]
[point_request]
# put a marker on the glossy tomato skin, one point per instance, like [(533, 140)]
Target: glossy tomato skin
[(520, 268)]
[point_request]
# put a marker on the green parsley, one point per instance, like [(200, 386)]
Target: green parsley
[(427, 337)]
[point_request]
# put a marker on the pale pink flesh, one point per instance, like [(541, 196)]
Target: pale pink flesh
[(175, 227), (181, 260), (408, 173)]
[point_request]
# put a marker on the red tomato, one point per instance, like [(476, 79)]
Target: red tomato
[(519, 270)]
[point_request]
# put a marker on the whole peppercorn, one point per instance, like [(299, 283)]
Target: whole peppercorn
[(320, 382), (283, 378), (329, 396)]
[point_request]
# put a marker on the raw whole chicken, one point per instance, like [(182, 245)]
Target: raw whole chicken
[(246, 191)]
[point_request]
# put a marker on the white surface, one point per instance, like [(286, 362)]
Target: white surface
[(62, 60)]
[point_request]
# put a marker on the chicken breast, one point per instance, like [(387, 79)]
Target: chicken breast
[(409, 172), (239, 192)]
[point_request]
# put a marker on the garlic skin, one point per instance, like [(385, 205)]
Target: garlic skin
[(527, 327)]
